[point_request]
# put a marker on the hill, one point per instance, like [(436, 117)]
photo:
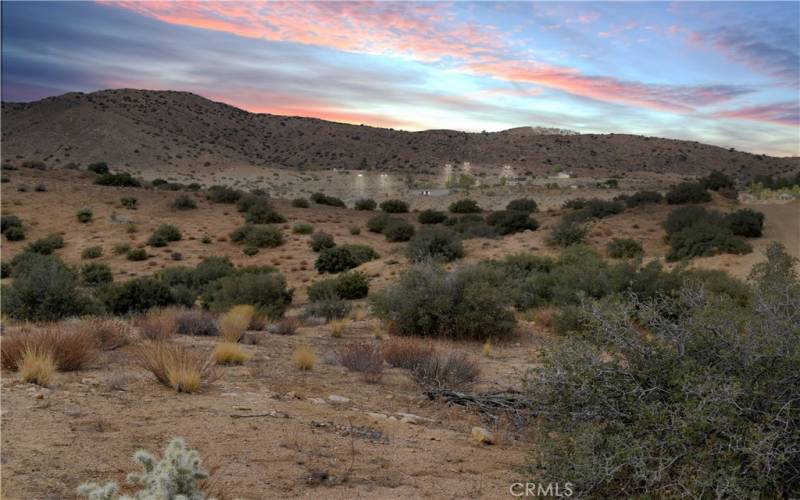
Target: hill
[(143, 129)]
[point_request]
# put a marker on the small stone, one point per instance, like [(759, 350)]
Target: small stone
[(481, 435), (333, 398), (40, 396), (317, 401), (410, 418), (379, 416)]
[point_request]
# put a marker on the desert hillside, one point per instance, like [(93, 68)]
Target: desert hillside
[(142, 129)]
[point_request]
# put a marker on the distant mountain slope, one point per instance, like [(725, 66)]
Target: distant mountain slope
[(142, 128)]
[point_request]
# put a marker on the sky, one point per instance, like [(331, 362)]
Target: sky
[(715, 72)]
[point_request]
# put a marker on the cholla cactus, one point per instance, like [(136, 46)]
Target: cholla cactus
[(174, 477)]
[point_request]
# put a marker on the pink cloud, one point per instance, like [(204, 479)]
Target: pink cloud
[(784, 113)]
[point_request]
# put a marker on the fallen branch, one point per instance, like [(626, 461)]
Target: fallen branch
[(273, 414), (514, 404)]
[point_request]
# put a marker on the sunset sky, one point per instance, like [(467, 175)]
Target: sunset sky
[(721, 73)]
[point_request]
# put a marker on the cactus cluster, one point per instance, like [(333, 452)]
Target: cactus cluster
[(174, 477)]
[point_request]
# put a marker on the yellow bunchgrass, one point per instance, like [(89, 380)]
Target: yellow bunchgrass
[(37, 366), (235, 322), (229, 353), (174, 366), (359, 315), (487, 348), (338, 327), (304, 357)]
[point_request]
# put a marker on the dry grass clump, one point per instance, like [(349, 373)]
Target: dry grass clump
[(487, 348), (286, 326), (406, 352), (194, 322), (235, 322), (363, 357), (174, 366), (37, 366), (70, 348), (338, 328), (110, 333), (158, 324), (229, 353), (446, 370), (304, 357)]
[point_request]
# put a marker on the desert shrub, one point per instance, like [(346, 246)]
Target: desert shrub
[(470, 302), (44, 289), (164, 234), (682, 217), (343, 257), (267, 292), (183, 202), (46, 245), (321, 240), (300, 203), (643, 198), (158, 324), (397, 230), (177, 475), (285, 326), (465, 206), (746, 222), (194, 322), (471, 226), (120, 248), (223, 194), (40, 188), (9, 221), (362, 357), (323, 199), (99, 167), (119, 180), (377, 223), (448, 369), (109, 333), (84, 215), (355, 230), (527, 205), (5, 270), (687, 192), (508, 222), (365, 204), (262, 212), (350, 286), (717, 180), (394, 206), (136, 254), (258, 236), (704, 238), (137, 295), (304, 358), (594, 208), (405, 352), (624, 248), (210, 269), (230, 353), (435, 242), (15, 234), (37, 367), (302, 228), (96, 274), (329, 309), (92, 252), (174, 365), (71, 348), (682, 407), (248, 201), (129, 202), (36, 164), (566, 233), (431, 217)]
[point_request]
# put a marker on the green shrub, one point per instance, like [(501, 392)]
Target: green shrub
[(250, 250), (343, 258), (183, 202), (84, 215), (300, 203), (398, 230), (99, 167), (46, 245), (258, 236), (9, 221), (302, 228), (687, 192), (329, 309), (471, 226), (703, 238), (465, 206), (526, 205), (92, 252), (394, 206), (377, 223), (15, 233), (365, 204), (163, 235), (746, 222), (567, 232), (507, 222), (210, 269), (437, 243), (717, 180), (5, 270), (355, 230), (350, 286), (266, 291), (470, 302), (129, 202), (119, 180), (262, 212), (594, 208), (624, 248), (96, 274), (137, 295), (223, 194), (682, 217), (136, 254), (643, 198), (120, 248), (321, 240), (323, 199), (431, 217)]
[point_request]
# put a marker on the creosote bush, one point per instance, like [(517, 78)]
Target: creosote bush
[(163, 235), (321, 240), (137, 295), (223, 194), (365, 204), (183, 202), (377, 223), (118, 180), (687, 192), (624, 248), (566, 233), (300, 203), (266, 291), (323, 199), (349, 285), (343, 258), (258, 236), (526, 205), (465, 206), (96, 274), (92, 252), (643, 198), (509, 222), (84, 215), (437, 243), (397, 230), (431, 217), (302, 228), (394, 206), (328, 309), (46, 245)]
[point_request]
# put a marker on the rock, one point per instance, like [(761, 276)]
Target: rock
[(317, 401), (333, 398), (410, 418), (379, 416), (481, 435)]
